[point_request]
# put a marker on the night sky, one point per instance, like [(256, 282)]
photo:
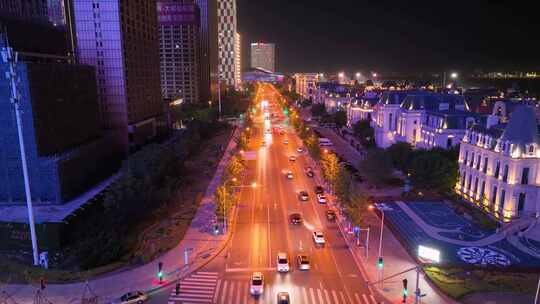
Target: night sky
[(382, 35)]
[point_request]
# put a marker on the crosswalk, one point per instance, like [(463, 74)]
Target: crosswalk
[(199, 287), (206, 287)]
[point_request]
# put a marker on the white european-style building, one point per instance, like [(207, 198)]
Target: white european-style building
[(499, 166)]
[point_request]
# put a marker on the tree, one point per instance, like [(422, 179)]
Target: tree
[(356, 209), (235, 168), (343, 185), (433, 171), (223, 199), (312, 145), (330, 167), (318, 110), (377, 166), (400, 153), (365, 133), (340, 119)]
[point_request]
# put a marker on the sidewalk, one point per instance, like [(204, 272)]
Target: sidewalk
[(200, 242)]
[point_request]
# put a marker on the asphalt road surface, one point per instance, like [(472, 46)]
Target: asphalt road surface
[(263, 229)]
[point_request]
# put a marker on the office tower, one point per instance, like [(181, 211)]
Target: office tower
[(66, 151), (37, 11), (120, 39), (179, 50), (238, 60), (227, 41), (263, 56), (208, 50)]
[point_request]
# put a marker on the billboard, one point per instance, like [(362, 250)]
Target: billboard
[(174, 13)]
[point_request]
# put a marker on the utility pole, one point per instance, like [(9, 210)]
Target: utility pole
[(11, 57)]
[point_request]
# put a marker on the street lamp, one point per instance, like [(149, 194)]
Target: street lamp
[(358, 75), (380, 259), (341, 75), (454, 75)]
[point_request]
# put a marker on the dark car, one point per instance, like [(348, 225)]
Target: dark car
[(295, 218), (283, 298), (330, 215), (303, 196), (319, 190)]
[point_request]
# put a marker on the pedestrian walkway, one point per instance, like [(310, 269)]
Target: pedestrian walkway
[(204, 287)]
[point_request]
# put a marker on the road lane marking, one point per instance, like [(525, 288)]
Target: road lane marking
[(365, 298), (245, 290), (372, 299), (251, 269), (232, 291)]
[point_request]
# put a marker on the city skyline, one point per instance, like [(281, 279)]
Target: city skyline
[(392, 35)]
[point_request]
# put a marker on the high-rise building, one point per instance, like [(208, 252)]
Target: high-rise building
[(40, 11), (66, 151), (208, 68), (227, 42), (120, 39), (179, 50), (263, 56), (238, 60)]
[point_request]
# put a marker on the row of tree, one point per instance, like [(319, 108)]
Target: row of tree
[(149, 180)]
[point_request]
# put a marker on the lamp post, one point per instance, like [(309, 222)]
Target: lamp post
[(10, 57)]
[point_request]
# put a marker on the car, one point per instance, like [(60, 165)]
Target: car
[(302, 262), (292, 158), (289, 175), (300, 150), (303, 195), (263, 143), (310, 173), (285, 142), (256, 287), (318, 238), (132, 297), (296, 218), (319, 189), (282, 262), (330, 215), (321, 198), (283, 298)]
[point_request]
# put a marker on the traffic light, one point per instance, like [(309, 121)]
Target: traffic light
[(380, 263), (160, 272), (405, 291)]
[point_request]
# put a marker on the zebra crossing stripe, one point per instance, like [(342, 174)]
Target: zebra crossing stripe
[(334, 295), (304, 292), (372, 299), (319, 295), (365, 298), (312, 294), (326, 296), (231, 291), (216, 291), (342, 297)]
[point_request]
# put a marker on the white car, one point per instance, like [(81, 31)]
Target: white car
[(300, 150), (289, 175), (282, 262), (133, 297), (257, 284), (285, 142), (318, 238), (292, 158), (321, 198)]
